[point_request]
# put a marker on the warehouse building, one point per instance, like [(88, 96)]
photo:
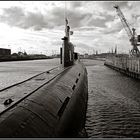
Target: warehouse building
[(5, 52)]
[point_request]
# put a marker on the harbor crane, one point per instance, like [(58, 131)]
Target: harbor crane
[(134, 39)]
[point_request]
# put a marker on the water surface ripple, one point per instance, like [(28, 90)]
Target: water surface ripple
[(113, 103)]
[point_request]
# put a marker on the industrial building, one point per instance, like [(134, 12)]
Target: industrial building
[(5, 52)]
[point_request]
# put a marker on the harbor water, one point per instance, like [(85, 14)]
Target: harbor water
[(113, 103), (17, 71), (113, 100)]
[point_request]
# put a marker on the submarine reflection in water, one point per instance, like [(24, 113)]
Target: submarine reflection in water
[(57, 108)]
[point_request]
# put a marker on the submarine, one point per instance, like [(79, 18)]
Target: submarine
[(57, 108)]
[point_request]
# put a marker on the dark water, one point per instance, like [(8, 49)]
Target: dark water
[(114, 103)]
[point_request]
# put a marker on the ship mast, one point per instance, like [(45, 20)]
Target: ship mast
[(67, 50)]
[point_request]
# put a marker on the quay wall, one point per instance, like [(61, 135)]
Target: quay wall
[(126, 65)]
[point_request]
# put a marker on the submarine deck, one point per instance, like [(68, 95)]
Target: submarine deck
[(14, 94)]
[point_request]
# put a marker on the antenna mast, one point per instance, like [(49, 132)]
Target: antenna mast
[(65, 16)]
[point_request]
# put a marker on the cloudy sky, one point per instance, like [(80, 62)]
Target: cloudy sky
[(38, 26)]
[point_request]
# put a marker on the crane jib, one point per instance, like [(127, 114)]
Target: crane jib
[(131, 33)]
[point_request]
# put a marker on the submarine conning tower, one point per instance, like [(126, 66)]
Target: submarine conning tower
[(67, 51)]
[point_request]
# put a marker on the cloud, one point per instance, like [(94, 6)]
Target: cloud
[(82, 47), (76, 4), (12, 15), (95, 24), (15, 16), (38, 19)]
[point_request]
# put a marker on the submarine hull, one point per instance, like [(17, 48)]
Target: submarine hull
[(57, 109)]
